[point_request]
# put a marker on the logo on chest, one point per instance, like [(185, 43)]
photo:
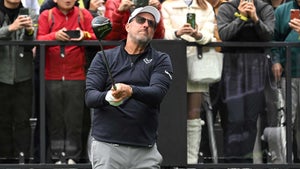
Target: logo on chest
[(147, 61)]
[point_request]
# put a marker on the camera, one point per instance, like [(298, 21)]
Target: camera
[(191, 19), (140, 3)]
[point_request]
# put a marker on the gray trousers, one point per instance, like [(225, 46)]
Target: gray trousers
[(114, 156)]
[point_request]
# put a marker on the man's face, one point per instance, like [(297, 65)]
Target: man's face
[(65, 5), (141, 28)]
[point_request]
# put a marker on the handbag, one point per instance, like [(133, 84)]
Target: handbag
[(205, 68)]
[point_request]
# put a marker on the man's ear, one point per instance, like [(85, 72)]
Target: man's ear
[(127, 26)]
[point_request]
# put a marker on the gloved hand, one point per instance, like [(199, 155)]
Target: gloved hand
[(111, 99)]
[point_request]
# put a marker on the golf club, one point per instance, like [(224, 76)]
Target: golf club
[(102, 26)]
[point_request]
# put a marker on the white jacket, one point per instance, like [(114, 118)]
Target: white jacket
[(174, 16)]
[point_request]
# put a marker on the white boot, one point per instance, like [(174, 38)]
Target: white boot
[(193, 140)]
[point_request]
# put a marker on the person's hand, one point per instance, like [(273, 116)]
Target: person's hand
[(61, 35), (21, 22), (277, 71), (154, 3), (251, 11), (28, 25), (81, 37), (187, 29), (125, 5), (95, 4), (295, 24), (122, 92), (111, 100), (195, 34), (243, 8)]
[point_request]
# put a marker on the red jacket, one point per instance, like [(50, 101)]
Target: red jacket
[(72, 65), (119, 20)]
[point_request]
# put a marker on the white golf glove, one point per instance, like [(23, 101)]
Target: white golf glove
[(111, 99)]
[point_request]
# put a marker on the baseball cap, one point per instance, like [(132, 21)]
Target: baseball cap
[(146, 9)]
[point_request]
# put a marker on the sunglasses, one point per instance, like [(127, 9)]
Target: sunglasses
[(142, 20)]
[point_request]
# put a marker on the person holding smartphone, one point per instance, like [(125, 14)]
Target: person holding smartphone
[(15, 80), (118, 11), (195, 25), (244, 73), (65, 77), (287, 28)]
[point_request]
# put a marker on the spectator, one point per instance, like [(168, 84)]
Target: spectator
[(32, 4), (287, 29), (15, 80), (92, 5), (125, 120), (96, 7), (65, 77), (244, 72), (270, 117), (118, 12), (48, 4), (174, 17), (218, 108), (276, 3)]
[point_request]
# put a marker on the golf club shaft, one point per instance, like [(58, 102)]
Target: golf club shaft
[(107, 67)]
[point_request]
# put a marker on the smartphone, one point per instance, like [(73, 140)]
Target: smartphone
[(73, 33), (191, 19), (24, 12), (140, 3), (295, 13)]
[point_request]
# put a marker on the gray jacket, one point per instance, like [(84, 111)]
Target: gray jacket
[(232, 28), (16, 61), (245, 69)]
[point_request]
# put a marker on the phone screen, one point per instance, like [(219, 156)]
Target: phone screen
[(295, 13), (24, 12), (191, 19), (73, 33)]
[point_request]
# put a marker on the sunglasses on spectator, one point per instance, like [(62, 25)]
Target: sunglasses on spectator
[(142, 20)]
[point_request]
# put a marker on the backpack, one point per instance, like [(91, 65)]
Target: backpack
[(51, 19)]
